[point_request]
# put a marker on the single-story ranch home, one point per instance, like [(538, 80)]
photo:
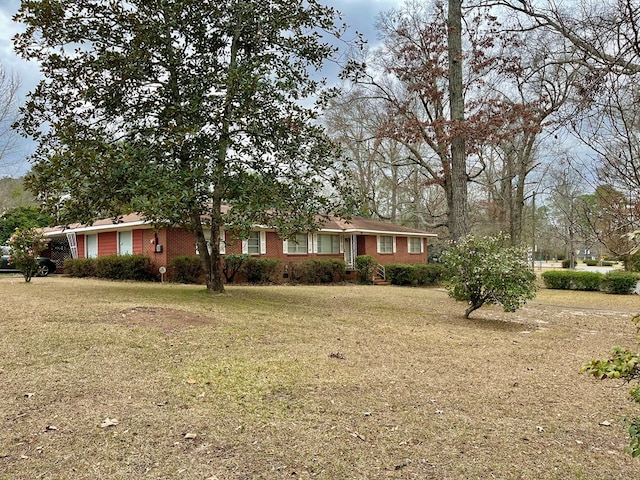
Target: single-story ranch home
[(338, 238)]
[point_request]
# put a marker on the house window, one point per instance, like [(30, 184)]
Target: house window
[(386, 244), (91, 246), (328, 243), (253, 243), (415, 245), (298, 244), (125, 243)]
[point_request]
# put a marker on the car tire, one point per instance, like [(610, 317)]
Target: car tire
[(43, 271)]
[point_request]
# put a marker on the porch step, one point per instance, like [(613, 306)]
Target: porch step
[(379, 281)]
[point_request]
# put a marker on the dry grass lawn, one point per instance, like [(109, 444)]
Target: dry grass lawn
[(105, 380)]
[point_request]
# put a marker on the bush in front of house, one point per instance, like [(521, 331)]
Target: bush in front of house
[(315, 271), (262, 270), (621, 283), (186, 269), (112, 267), (233, 264), (365, 268), (416, 274), (124, 267), (80, 267)]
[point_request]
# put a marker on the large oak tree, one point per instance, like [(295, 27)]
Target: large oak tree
[(175, 108)]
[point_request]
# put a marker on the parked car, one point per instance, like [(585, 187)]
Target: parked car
[(46, 265)]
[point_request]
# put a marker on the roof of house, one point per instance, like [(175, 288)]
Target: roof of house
[(354, 225)]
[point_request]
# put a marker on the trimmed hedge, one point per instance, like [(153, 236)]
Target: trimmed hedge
[(617, 282), (113, 267), (80, 267), (315, 271), (262, 270), (621, 283), (555, 279), (422, 274), (186, 269)]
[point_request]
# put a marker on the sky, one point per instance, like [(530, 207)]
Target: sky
[(360, 15)]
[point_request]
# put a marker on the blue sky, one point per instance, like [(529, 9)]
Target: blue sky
[(360, 15)]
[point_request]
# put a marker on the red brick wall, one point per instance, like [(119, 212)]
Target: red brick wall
[(368, 245)]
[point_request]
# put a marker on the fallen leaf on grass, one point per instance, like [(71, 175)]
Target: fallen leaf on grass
[(606, 423), (109, 422), (190, 435)]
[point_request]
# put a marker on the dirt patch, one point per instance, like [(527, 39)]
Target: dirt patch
[(168, 320)]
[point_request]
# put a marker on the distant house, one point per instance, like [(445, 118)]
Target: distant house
[(342, 239)]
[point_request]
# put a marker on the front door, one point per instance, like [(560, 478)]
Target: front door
[(349, 251)]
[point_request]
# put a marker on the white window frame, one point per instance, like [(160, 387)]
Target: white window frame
[(335, 240), (128, 250), (393, 244), (411, 250), (91, 254), (299, 246), (262, 243)]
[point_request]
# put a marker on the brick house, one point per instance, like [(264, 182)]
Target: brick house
[(341, 239)]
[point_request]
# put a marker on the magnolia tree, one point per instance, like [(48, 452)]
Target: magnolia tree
[(484, 270), (175, 108), (623, 364), (25, 246)]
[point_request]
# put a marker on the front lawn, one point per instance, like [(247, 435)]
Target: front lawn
[(124, 380)]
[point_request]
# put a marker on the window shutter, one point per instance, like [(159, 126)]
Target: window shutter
[(341, 244), (422, 245), (309, 243), (263, 243), (394, 244), (245, 246), (222, 245), (314, 241), (285, 246), (378, 244)]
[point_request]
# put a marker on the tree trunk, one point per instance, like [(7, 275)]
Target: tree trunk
[(211, 262), (458, 227), (474, 306)]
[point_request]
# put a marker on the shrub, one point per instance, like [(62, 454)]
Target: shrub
[(233, 265), (186, 269), (261, 270), (400, 274), (621, 283), (318, 271), (80, 267), (25, 246), (429, 273), (484, 271), (414, 274), (560, 280), (365, 268), (591, 263), (124, 267), (113, 267), (622, 364), (566, 263), (586, 281)]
